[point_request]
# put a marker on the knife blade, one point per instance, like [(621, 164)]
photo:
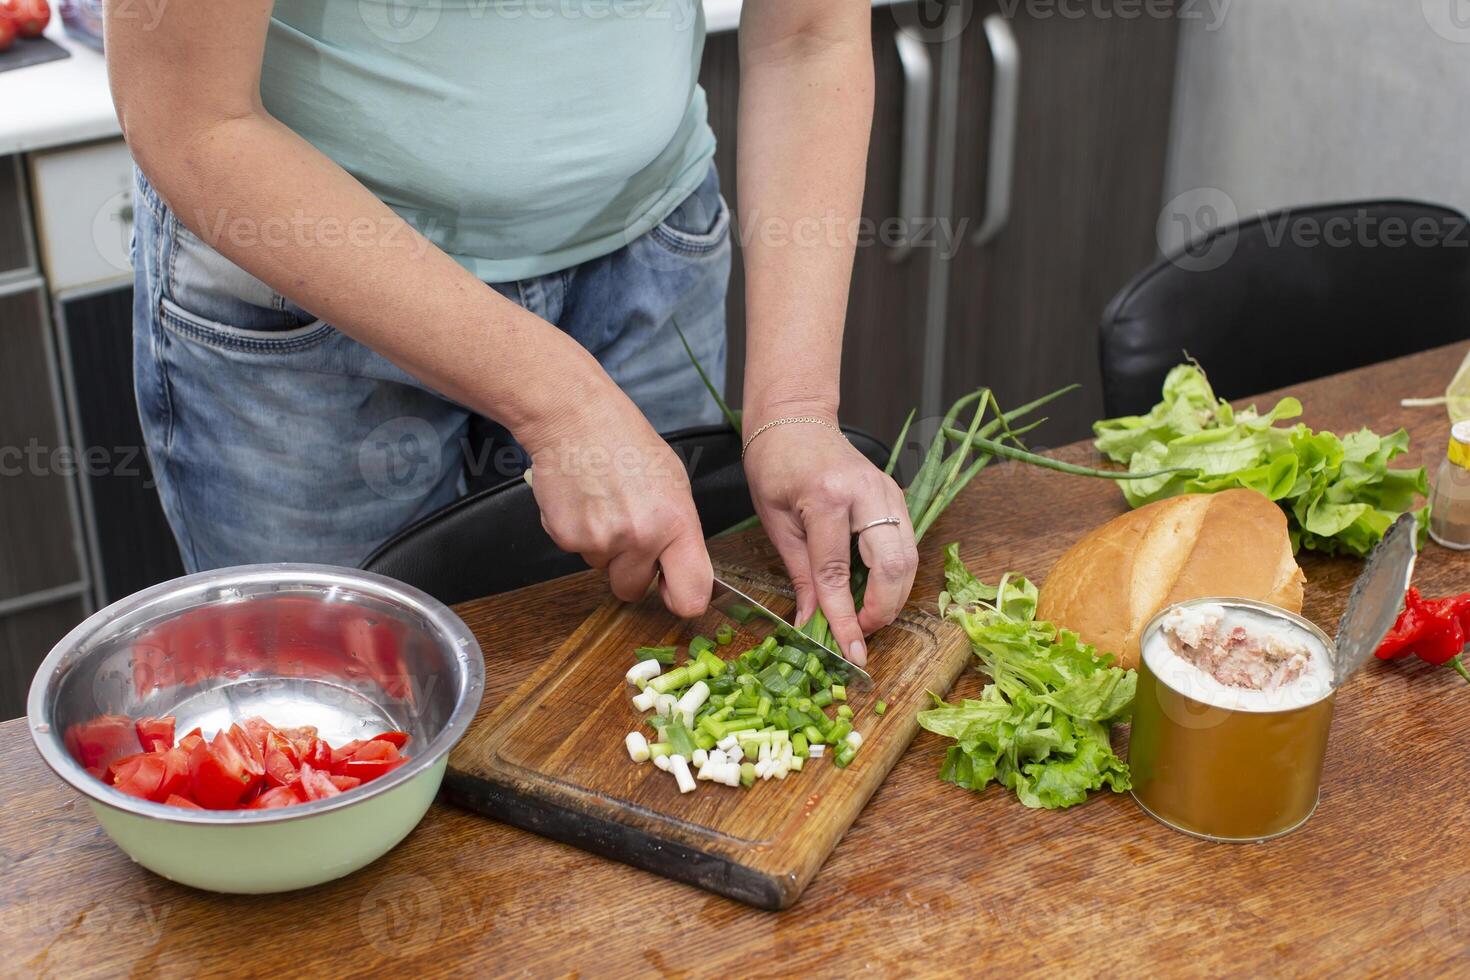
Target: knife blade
[(1377, 596), (755, 617)]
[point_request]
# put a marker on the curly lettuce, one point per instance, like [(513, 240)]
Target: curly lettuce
[(1338, 493), (1042, 727)]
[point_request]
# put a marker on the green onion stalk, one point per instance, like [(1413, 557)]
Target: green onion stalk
[(955, 456)]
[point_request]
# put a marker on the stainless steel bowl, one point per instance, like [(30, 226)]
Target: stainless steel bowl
[(349, 652)]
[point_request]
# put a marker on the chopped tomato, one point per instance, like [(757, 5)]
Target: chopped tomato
[(279, 770), (258, 729), (175, 780), (369, 769), (155, 734), (251, 764), (250, 751), (139, 775), (98, 743), (316, 785), (217, 773), (396, 739), (317, 754), (275, 797)]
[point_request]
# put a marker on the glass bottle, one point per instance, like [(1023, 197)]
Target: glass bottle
[(1449, 511)]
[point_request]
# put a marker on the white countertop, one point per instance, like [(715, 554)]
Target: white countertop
[(59, 102), (68, 101)]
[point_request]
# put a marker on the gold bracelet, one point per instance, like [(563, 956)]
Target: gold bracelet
[(787, 420)]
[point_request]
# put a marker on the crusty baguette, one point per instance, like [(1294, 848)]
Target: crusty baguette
[(1110, 583)]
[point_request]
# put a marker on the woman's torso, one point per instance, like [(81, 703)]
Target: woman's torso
[(521, 136)]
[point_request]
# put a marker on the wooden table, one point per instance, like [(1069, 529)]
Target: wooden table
[(931, 878)]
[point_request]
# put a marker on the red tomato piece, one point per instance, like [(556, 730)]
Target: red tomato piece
[(344, 783), (140, 776), (277, 796), (396, 739), (374, 751), (249, 751), (7, 26), (98, 743), (341, 755), (155, 734), (183, 801), (317, 754), (370, 769), (316, 785), (217, 773), (175, 773), (279, 769)]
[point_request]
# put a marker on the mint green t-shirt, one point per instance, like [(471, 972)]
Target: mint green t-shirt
[(520, 136)]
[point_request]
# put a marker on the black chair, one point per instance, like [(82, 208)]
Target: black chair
[(1290, 296), (492, 541)]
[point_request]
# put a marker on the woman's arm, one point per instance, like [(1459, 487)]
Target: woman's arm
[(806, 105), (187, 93)]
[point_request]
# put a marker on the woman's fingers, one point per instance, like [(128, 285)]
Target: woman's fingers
[(791, 545), (892, 559), (688, 578), (829, 544)]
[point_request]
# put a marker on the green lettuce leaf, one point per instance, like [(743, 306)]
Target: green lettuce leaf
[(1041, 728), (1338, 493)]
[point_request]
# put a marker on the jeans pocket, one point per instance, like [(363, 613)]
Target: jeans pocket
[(699, 225), (192, 326)]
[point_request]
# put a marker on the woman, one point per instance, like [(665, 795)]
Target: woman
[(363, 227)]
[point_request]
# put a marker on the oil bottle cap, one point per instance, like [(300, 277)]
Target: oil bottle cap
[(1459, 451)]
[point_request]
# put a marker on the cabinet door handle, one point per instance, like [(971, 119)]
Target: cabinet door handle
[(913, 163), (1005, 55)]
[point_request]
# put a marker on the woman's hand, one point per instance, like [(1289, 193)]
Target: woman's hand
[(812, 490), (613, 492)]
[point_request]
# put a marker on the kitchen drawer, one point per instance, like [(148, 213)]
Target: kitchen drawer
[(17, 259), (38, 536), (25, 639), (84, 213)]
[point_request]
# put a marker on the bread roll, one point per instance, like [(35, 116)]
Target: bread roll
[(1109, 584)]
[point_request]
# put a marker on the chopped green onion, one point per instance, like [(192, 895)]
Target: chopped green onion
[(747, 774), (700, 644), (839, 693), (664, 655), (880, 707), (724, 634), (843, 711)]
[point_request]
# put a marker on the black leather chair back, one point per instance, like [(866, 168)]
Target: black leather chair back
[(1291, 296), (493, 541)]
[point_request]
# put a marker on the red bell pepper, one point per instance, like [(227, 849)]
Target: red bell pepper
[(1434, 630)]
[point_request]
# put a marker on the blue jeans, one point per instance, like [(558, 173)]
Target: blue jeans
[(273, 437)]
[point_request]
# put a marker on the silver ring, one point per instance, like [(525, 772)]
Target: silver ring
[(879, 523)]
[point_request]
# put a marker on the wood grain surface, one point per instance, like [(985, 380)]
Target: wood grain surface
[(551, 758), (930, 879)]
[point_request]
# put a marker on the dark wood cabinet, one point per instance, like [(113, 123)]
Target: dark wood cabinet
[(1020, 312), (883, 352), (1088, 173), (132, 543)]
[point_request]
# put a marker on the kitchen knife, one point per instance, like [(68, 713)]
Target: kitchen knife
[(754, 617)]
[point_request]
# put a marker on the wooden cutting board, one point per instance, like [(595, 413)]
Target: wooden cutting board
[(551, 759)]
